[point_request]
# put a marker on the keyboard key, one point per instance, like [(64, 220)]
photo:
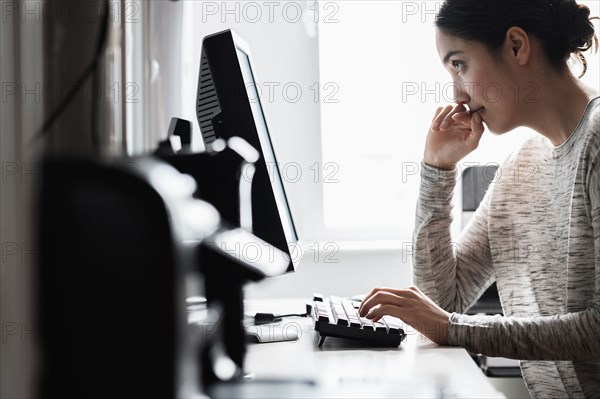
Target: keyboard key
[(322, 312), (367, 324), (380, 327), (353, 317), (339, 315), (393, 326), (335, 300)]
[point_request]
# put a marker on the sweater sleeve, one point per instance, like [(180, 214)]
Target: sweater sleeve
[(571, 336), (453, 274)]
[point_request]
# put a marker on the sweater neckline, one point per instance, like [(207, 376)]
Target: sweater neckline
[(563, 147)]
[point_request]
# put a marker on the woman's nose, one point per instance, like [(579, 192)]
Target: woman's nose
[(460, 95)]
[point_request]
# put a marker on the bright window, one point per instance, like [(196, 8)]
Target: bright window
[(381, 56)]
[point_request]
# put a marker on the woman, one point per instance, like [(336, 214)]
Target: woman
[(537, 231)]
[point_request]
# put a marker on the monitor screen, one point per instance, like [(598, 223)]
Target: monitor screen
[(267, 147), (229, 105)]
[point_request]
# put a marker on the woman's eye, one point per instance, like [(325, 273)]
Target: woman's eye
[(458, 65)]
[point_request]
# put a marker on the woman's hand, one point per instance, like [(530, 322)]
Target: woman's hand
[(410, 305), (454, 133)]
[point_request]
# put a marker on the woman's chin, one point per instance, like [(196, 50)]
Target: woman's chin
[(497, 130)]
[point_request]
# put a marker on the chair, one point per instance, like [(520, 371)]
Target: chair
[(475, 182)]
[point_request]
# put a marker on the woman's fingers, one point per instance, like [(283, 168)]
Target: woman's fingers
[(384, 310), (391, 296), (380, 298), (476, 130), (410, 305), (448, 120), (370, 294), (462, 116), (437, 112), (440, 117), (477, 123), (375, 291)]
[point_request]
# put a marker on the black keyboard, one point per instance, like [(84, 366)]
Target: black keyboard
[(338, 317)]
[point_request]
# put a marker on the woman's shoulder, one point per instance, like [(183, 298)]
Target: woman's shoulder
[(590, 124)]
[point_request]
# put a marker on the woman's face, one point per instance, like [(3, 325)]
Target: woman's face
[(481, 81)]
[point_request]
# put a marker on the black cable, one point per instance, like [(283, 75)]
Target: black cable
[(91, 68), (293, 314), (264, 318)]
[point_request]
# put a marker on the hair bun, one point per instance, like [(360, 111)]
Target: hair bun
[(573, 25)]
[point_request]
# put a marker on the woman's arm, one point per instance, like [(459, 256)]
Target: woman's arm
[(453, 274), (571, 336)]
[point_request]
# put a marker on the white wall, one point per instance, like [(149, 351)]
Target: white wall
[(346, 272)]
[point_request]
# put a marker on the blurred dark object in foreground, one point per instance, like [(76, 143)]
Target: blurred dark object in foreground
[(111, 297)]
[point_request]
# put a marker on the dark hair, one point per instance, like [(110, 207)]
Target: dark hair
[(562, 26)]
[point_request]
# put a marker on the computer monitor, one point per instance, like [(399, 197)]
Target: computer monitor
[(228, 105)]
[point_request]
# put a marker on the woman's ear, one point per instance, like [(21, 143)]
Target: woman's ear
[(518, 45)]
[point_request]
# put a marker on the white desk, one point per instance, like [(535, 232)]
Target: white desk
[(418, 368)]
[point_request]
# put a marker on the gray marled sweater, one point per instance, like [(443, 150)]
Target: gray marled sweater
[(537, 234)]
